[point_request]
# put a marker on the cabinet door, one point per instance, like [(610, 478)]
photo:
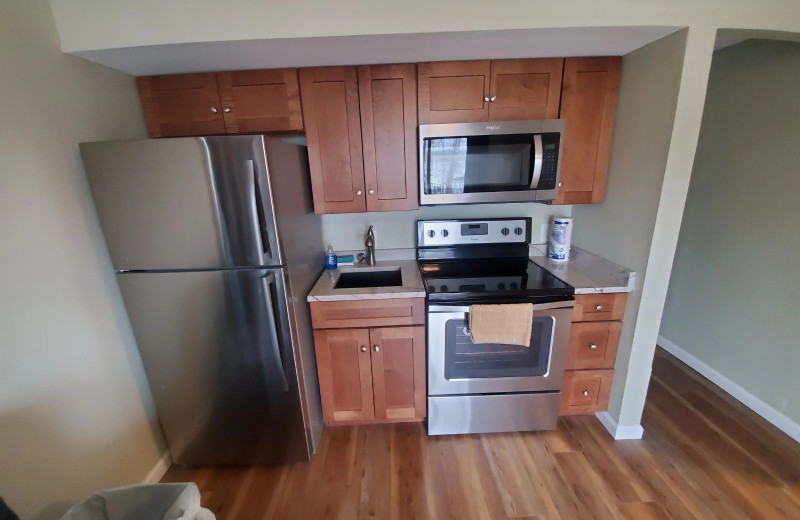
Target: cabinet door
[(398, 372), (260, 100), (453, 91), (388, 96), (585, 391), (525, 89), (333, 129), (345, 374), (181, 105), (588, 104)]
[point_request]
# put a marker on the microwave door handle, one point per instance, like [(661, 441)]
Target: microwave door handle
[(537, 161)]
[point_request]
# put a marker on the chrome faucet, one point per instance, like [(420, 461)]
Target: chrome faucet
[(370, 245)]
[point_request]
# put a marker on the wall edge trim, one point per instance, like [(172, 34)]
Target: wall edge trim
[(159, 469), (619, 433)]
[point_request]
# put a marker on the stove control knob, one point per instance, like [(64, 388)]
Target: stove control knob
[(501, 286), (505, 231), (445, 232), (518, 231), (443, 288), (431, 233), (513, 285)]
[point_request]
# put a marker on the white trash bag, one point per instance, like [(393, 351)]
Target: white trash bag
[(143, 502)]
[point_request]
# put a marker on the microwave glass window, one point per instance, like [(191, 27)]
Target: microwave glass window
[(478, 164)]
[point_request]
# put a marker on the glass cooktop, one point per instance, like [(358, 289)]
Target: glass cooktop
[(506, 280)]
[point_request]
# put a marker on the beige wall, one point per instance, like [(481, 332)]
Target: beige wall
[(397, 229), (733, 295), (621, 228), (75, 410)]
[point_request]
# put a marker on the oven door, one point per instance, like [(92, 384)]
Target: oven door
[(456, 365)]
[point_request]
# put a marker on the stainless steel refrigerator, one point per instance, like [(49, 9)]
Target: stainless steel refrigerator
[(215, 246)]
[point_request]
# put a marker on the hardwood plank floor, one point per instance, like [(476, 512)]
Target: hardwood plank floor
[(704, 455)]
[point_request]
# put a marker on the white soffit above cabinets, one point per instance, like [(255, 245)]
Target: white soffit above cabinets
[(728, 37), (370, 49)]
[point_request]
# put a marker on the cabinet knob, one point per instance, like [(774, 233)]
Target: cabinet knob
[(593, 347), (598, 307), (358, 193), (371, 192), (493, 98), (377, 348), (213, 110), (363, 349), (226, 109), (560, 184), (586, 392), (486, 98)]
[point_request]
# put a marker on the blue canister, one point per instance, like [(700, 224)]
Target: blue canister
[(330, 259), (560, 238)]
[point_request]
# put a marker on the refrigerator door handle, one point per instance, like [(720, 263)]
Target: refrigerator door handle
[(257, 214), (277, 353)]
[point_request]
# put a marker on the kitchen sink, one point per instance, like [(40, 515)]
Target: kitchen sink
[(361, 278)]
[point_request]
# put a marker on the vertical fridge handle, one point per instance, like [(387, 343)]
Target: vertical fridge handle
[(259, 221), (268, 280)]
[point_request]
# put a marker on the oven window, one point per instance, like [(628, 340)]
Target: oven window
[(478, 164), (467, 360)]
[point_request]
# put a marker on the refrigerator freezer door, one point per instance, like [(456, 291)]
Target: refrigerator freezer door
[(184, 203), (216, 347)]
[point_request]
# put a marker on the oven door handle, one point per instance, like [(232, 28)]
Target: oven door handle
[(537, 161), (536, 307)]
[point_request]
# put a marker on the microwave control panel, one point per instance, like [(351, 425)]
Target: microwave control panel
[(468, 232), (550, 147)]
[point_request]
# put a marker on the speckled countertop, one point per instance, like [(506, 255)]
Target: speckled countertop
[(585, 271), (412, 287)]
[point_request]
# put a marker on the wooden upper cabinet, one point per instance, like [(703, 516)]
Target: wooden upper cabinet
[(181, 105), (333, 130), (453, 91), (525, 89), (398, 372), (345, 374), (388, 99), (588, 105), (260, 100)]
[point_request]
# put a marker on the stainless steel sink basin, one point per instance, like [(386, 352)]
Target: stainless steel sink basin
[(360, 278)]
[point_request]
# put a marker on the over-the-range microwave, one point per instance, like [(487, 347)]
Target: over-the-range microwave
[(496, 161)]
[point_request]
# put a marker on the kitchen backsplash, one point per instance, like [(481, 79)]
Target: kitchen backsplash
[(396, 229)]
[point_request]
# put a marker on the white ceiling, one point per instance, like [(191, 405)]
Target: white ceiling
[(367, 49)]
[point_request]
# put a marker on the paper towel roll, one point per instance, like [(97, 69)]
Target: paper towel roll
[(560, 239)]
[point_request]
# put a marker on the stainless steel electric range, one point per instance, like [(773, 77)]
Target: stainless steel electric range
[(480, 388)]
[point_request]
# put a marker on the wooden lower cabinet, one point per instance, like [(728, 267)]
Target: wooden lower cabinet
[(585, 391), (592, 352), (371, 375)]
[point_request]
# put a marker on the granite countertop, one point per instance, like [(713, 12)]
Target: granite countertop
[(585, 271), (412, 287)]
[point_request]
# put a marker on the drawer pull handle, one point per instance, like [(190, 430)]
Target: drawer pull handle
[(598, 307), (586, 393), (593, 347), (363, 349)]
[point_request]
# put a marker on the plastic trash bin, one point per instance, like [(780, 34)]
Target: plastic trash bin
[(143, 502)]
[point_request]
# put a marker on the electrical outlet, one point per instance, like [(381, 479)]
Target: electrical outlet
[(543, 233)]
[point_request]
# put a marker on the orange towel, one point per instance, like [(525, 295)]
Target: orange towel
[(508, 323)]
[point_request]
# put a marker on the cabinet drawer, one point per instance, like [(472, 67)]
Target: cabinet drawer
[(593, 345), (368, 313), (585, 391), (599, 307)]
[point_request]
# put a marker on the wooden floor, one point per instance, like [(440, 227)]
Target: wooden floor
[(703, 455)]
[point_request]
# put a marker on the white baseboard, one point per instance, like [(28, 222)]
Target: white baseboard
[(619, 432), (780, 421), (159, 469)]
